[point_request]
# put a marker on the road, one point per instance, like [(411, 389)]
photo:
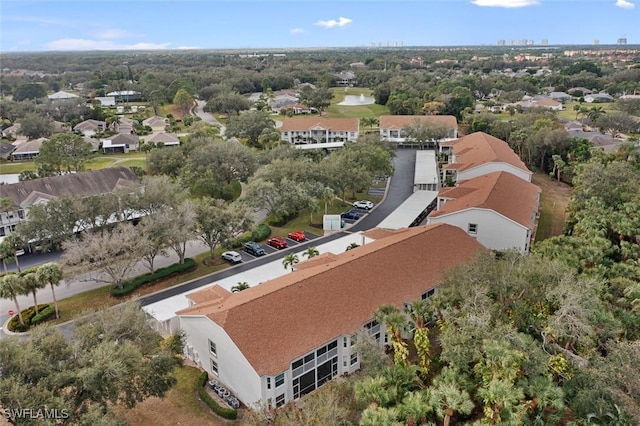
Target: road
[(400, 188), (207, 117)]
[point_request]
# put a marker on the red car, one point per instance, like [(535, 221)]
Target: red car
[(297, 236), (277, 242)]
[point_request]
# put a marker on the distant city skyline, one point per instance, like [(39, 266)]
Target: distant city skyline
[(50, 25)]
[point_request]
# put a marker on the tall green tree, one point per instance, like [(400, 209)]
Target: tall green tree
[(218, 221), (32, 285), (51, 274), (65, 152), (184, 101), (11, 286)]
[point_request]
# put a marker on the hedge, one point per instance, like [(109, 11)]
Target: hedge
[(140, 280), (261, 232), (227, 413), (44, 315), (28, 316)]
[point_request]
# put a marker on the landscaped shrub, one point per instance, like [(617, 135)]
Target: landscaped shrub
[(177, 268), (28, 316), (44, 315), (238, 242), (227, 413), (261, 232)]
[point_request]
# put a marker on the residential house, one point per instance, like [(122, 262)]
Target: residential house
[(478, 154), (582, 91), (95, 143), (165, 139), (157, 123), (297, 109), (282, 101), (125, 95), (124, 125), (90, 127), (27, 150), (62, 96), (106, 101), (560, 97), (6, 149), (499, 209), (391, 126), (12, 131), (280, 340), (40, 191), (60, 127), (346, 78), (120, 143), (319, 132), (598, 98), (540, 102)]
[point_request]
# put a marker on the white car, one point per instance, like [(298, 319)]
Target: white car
[(232, 256), (363, 204)]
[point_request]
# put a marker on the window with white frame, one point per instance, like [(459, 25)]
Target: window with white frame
[(268, 382), (280, 400), (280, 379), (472, 228), (212, 348), (214, 366)]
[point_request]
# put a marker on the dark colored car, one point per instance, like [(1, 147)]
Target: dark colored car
[(277, 242), (351, 215), (254, 249), (297, 236)]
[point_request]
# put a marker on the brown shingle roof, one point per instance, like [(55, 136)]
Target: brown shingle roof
[(400, 121), (73, 184), (480, 148), (284, 318), (501, 192), (334, 124)]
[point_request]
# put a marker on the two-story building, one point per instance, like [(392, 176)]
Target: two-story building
[(499, 209), (40, 191), (280, 340), (478, 154), (319, 132), (392, 127)]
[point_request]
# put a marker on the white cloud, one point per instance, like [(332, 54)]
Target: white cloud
[(296, 30), (187, 47), (114, 33), (87, 44), (506, 3), (341, 22), (625, 4)]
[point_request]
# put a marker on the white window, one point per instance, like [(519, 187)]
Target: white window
[(212, 348), (280, 400), (214, 367), (268, 382), (472, 228), (279, 380)]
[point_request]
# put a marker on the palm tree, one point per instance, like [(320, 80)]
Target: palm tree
[(311, 252), (352, 246), (11, 287), (50, 273), (503, 402), (376, 416), (372, 390), (290, 260), (31, 284), (327, 196), (415, 407), (418, 314), (13, 243), (447, 399), (243, 285), (370, 121), (595, 113), (396, 322)]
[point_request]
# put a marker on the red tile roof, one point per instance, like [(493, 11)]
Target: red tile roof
[(282, 319), (501, 192), (332, 124), (400, 121), (480, 148)]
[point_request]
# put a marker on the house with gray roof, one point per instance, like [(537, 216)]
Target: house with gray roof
[(598, 98), (90, 127), (6, 149), (62, 95), (40, 191), (120, 144), (166, 139), (28, 150)]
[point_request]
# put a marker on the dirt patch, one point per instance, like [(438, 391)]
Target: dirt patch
[(553, 206)]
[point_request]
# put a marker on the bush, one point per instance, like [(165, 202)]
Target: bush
[(177, 268), (227, 413), (44, 315), (261, 232), (238, 242), (28, 316)]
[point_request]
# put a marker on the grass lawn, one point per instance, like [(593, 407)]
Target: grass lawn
[(553, 206), (180, 406), (355, 111), (569, 114), (99, 162), (100, 298), (133, 162), (15, 168)]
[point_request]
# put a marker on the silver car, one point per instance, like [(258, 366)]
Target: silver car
[(363, 204), (232, 256)]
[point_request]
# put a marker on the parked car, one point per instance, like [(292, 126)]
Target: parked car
[(297, 236), (254, 249), (277, 242), (363, 204), (232, 256), (350, 215)]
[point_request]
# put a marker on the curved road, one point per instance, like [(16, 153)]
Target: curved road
[(208, 117), (399, 189)]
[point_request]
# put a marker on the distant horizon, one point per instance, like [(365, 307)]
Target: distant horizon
[(100, 25)]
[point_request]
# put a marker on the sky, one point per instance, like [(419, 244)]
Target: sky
[(49, 25)]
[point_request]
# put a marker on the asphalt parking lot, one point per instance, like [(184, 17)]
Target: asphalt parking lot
[(246, 257)]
